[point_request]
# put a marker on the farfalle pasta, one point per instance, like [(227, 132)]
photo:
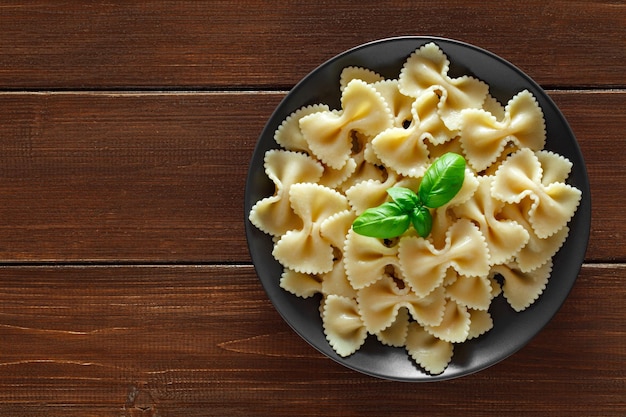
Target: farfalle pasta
[(329, 133), (474, 292), (404, 149), (495, 237), (366, 259), (379, 304), (427, 70), (425, 266), (484, 137), (343, 323), (274, 215), (306, 249), (520, 177), (504, 237)]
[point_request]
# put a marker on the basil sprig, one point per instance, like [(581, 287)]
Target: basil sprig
[(441, 182)]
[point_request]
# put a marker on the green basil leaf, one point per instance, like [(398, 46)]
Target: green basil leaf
[(405, 198), (442, 180), (422, 220), (386, 221)]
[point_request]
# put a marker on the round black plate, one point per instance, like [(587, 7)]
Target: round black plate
[(511, 330)]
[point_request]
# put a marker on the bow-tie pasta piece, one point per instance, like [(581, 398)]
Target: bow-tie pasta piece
[(302, 285), (335, 228), (380, 302), (395, 334), (521, 289), (450, 278), (336, 282), (425, 110), (329, 134), (473, 292), (504, 237), (495, 286), (537, 251), (443, 219), (343, 327), (306, 285), (453, 145), (305, 250), (358, 73), (480, 323), (555, 168), (494, 107), (454, 326), (407, 182), (273, 215), (509, 149), (334, 178), (366, 259), (370, 193), (519, 177), (364, 171), (288, 134), (525, 121), (483, 137), (427, 351), (424, 266), (404, 149), (366, 164), (427, 69), (362, 149), (398, 103)]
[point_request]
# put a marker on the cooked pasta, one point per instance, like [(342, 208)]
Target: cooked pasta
[(329, 133), (425, 266), (343, 324), (496, 236), (274, 215), (471, 291), (483, 137), (306, 250), (427, 70), (520, 177), (504, 237)]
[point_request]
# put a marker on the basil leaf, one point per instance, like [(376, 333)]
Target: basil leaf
[(386, 221), (405, 198), (422, 220), (442, 180)]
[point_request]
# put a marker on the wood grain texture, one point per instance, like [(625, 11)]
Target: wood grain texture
[(126, 129), (160, 177), (223, 44), (205, 341), (130, 176)]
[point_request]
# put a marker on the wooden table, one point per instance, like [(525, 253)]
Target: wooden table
[(126, 287)]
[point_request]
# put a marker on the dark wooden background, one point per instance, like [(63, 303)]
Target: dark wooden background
[(126, 128)]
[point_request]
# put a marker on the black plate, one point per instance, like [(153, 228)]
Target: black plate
[(511, 330)]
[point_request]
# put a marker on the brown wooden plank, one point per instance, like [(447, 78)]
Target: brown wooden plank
[(240, 44), (596, 119), (113, 341), (101, 176), (160, 177)]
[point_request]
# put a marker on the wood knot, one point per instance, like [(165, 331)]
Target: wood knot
[(139, 403)]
